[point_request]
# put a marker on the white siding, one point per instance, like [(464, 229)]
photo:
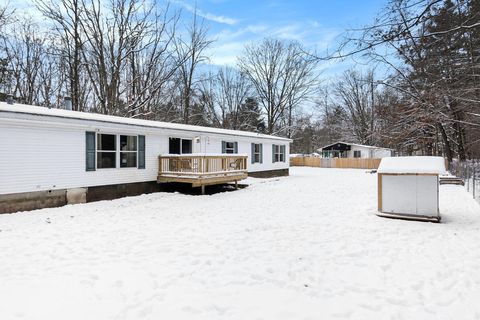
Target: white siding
[(410, 194), (364, 152), (370, 152), (427, 195), (213, 144), (382, 153), (50, 154), (399, 194)]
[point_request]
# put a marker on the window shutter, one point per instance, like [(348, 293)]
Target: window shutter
[(282, 151), (235, 147), (273, 153), (224, 147), (90, 151), (253, 154), (141, 152), (261, 152)]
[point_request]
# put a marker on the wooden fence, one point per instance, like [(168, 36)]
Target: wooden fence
[(345, 163)]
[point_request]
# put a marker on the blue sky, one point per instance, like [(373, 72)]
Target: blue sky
[(317, 24)]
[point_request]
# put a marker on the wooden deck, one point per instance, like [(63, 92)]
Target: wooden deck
[(202, 170)]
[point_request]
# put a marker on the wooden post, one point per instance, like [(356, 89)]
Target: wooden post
[(236, 184), (203, 189)]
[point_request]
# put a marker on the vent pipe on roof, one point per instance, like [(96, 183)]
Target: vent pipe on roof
[(67, 103), (10, 99)]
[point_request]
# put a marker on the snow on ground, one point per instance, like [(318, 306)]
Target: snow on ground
[(308, 246)]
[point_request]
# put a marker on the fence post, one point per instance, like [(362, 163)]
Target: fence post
[(473, 186), (468, 180)]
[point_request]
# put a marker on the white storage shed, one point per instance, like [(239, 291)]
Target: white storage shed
[(408, 187)]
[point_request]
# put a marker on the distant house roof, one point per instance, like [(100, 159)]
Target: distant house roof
[(87, 116), (412, 165), (345, 146)]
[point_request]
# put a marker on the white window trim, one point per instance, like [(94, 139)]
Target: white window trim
[(259, 153), (232, 148), (181, 139), (110, 151), (117, 150), (121, 151), (278, 152)]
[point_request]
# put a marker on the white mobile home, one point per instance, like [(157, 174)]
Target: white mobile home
[(51, 157), (352, 150)]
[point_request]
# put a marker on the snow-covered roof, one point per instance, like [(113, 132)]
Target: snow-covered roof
[(87, 116), (412, 165), (353, 144)]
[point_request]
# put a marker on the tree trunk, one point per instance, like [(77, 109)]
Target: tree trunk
[(460, 135), (446, 143)]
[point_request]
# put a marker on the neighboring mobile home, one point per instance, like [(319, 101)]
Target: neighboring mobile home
[(352, 150), (50, 157)]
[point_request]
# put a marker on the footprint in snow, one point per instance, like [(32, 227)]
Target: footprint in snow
[(191, 309)]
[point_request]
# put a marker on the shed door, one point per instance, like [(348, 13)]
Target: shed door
[(410, 194), (399, 194), (427, 195)]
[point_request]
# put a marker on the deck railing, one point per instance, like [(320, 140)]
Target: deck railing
[(202, 165)]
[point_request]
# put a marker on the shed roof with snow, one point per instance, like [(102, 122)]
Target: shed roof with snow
[(413, 165)]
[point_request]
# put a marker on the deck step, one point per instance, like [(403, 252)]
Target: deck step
[(452, 180)]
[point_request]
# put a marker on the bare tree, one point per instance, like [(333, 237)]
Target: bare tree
[(151, 68), (25, 55), (224, 95), (283, 76), (66, 15), (431, 46), (356, 93), (190, 50), (5, 14)]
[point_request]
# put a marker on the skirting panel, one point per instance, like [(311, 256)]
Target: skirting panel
[(26, 201), (270, 173)]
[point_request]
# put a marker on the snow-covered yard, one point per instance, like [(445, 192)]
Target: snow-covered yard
[(308, 246)]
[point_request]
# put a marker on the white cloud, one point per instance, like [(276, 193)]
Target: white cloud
[(231, 42), (207, 15)]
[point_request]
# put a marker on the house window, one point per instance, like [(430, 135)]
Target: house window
[(256, 153), (128, 151), (229, 147), (278, 153), (186, 146), (357, 154), (106, 151), (179, 146)]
